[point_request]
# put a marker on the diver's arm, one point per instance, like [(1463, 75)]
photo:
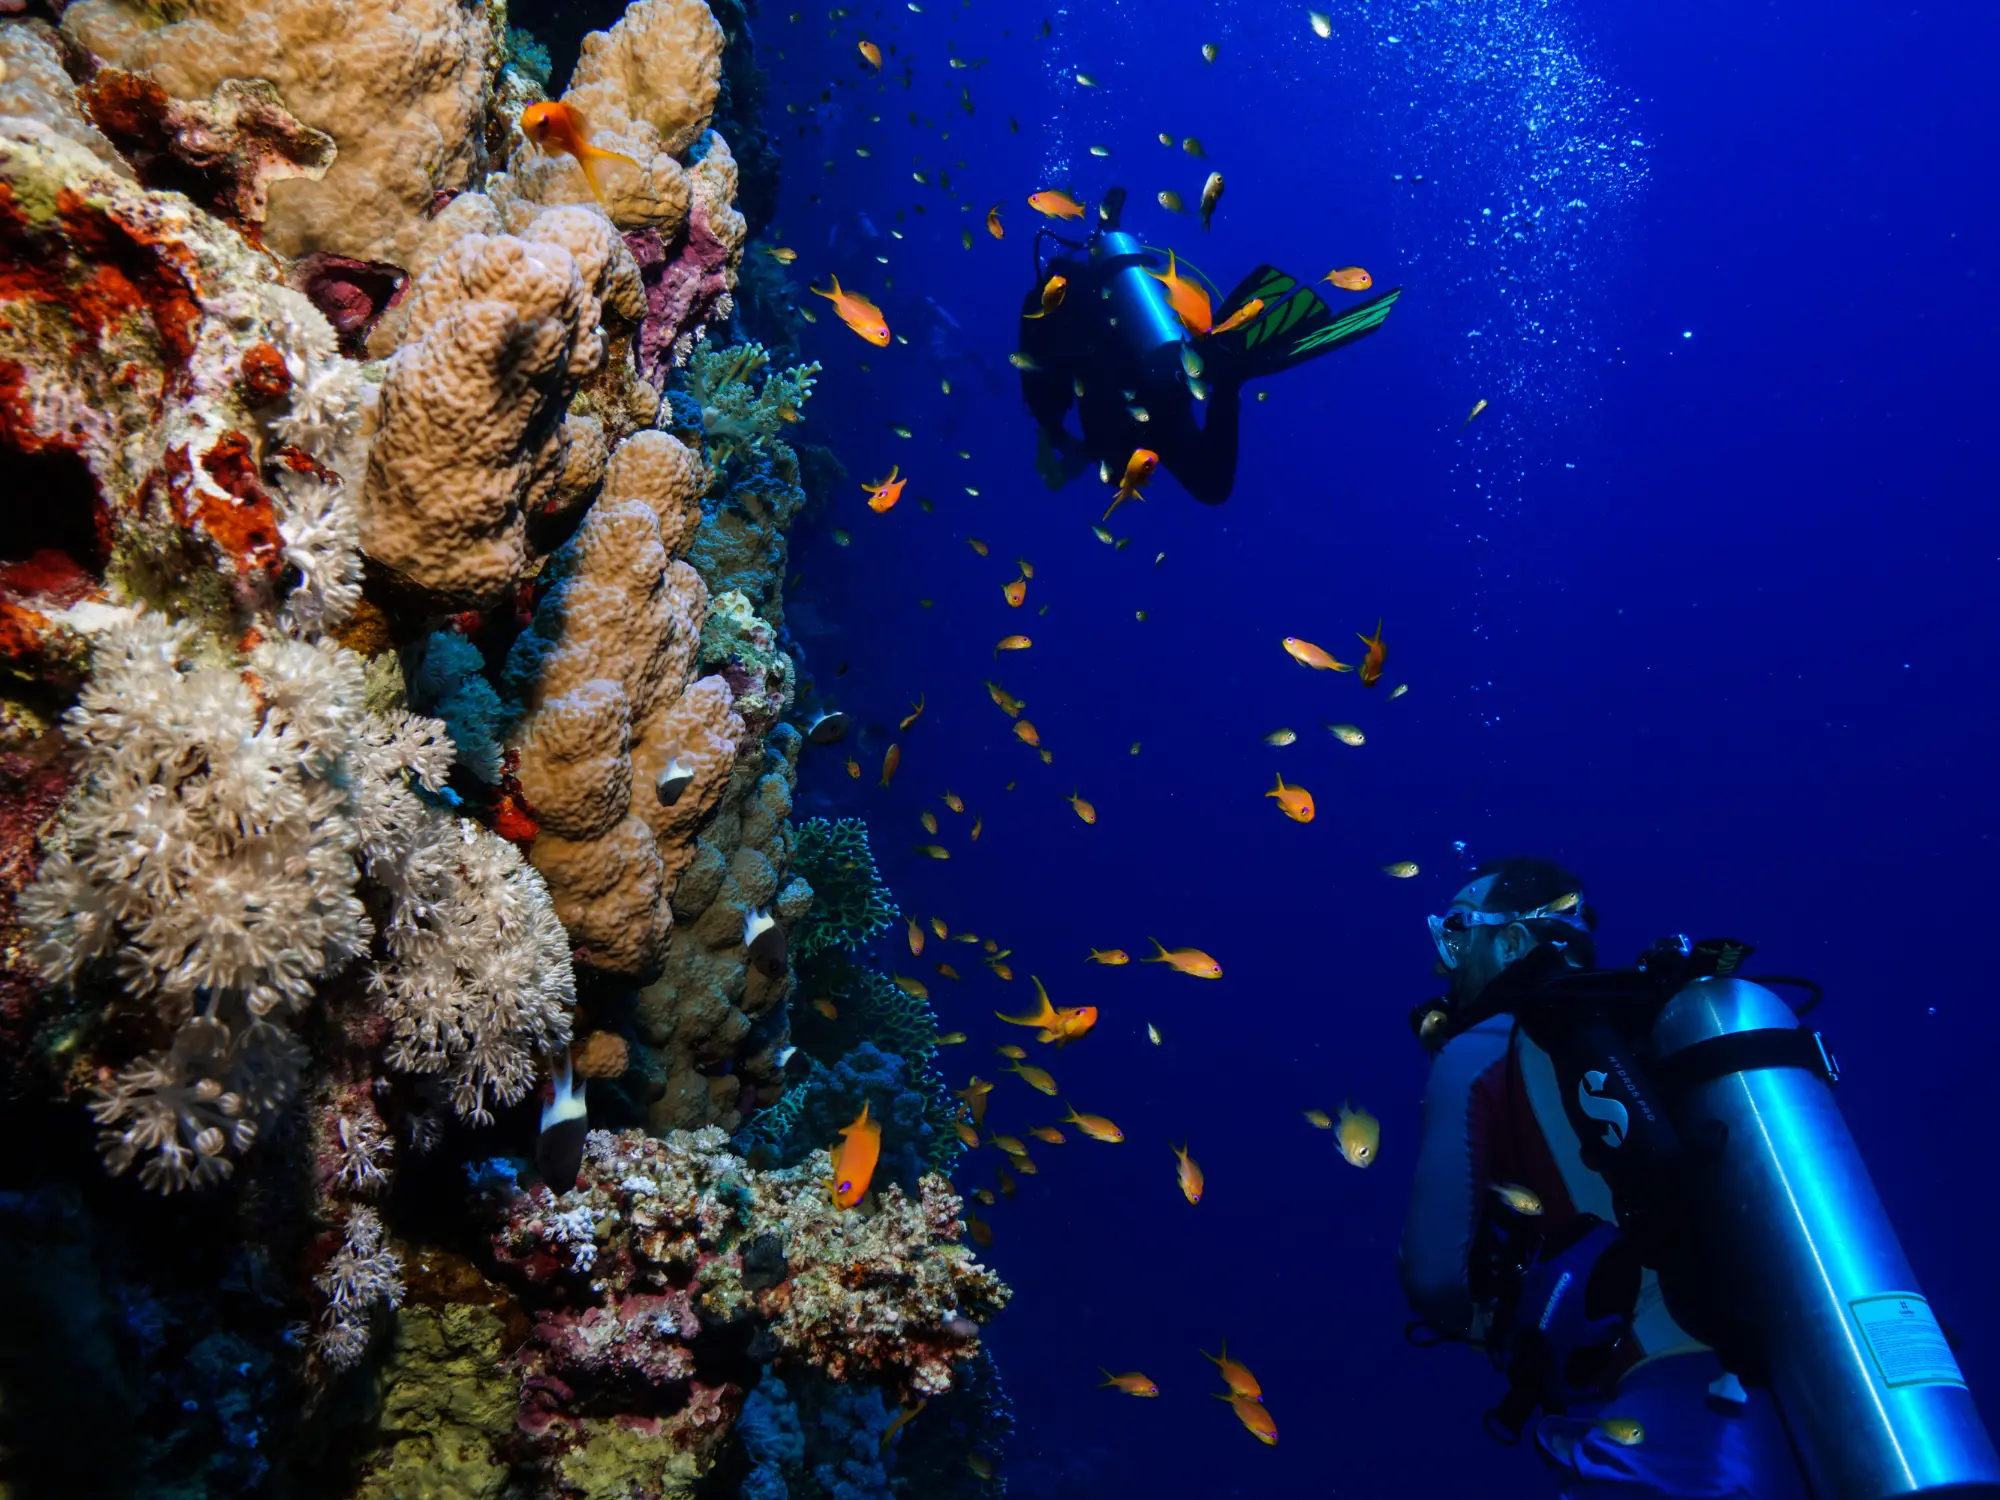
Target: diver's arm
[(1447, 1199)]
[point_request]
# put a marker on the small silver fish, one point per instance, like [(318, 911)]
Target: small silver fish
[(1023, 362), (1208, 52), (1400, 689), (1101, 534), (1139, 414), (1191, 362), (1152, 1031), (1100, 150), (1402, 869), (1198, 389), (1281, 737), (1347, 734), (1171, 202)]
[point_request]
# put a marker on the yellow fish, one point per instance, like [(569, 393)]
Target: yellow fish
[(1013, 643), (1190, 961), (1402, 869), (1035, 1078), (1108, 956), (1318, 1117), (1521, 1200), (1360, 1136), (1625, 1431)]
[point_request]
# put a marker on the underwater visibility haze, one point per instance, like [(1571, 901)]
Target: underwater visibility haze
[(797, 753)]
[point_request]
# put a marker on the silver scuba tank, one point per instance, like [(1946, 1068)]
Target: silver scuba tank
[(1147, 324), (1779, 1195)]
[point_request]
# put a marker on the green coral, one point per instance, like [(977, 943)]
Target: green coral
[(738, 413), (850, 902), (527, 56)]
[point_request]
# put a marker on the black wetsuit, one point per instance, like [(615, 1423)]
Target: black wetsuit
[(1196, 440)]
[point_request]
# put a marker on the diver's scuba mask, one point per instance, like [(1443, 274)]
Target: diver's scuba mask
[(1449, 931)]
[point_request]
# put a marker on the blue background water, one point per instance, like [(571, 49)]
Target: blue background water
[(1702, 606)]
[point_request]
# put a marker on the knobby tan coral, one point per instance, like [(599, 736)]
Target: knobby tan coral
[(402, 86), (606, 671), (647, 88), (499, 330)]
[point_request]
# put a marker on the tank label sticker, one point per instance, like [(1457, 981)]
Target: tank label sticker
[(1903, 1335)]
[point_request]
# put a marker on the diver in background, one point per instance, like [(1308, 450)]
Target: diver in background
[(1602, 1202), (1114, 348)]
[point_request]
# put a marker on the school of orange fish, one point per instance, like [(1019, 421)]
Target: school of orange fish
[(856, 1154)]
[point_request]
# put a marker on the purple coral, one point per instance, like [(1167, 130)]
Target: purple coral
[(352, 294), (685, 287)]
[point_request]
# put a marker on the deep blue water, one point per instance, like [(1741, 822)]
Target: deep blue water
[(1701, 606)]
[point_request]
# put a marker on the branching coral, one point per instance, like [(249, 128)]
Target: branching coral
[(740, 414), (851, 903)]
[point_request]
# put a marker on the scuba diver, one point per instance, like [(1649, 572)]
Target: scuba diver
[(1635, 1191), (1112, 345)]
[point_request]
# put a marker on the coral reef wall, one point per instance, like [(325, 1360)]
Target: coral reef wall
[(393, 715)]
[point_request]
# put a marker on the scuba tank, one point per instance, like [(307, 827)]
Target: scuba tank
[(1147, 325), (1790, 1261)]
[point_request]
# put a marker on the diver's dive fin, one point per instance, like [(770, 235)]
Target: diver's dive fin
[(1294, 325)]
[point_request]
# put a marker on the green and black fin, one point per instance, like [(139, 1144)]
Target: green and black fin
[(1295, 325)]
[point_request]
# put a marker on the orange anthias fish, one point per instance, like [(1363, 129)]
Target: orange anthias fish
[(1237, 1377), (916, 937), (873, 53), (1012, 643), (1083, 809), (1095, 1126), (1138, 469), (993, 223), (1189, 1174), (1052, 295), (1294, 801), (895, 1426), (1027, 733), (1035, 1078), (916, 712), (1371, 664), (1189, 299), (1306, 654), (1253, 1415), (1108, 956), (954, 802), (1053, 202), (1190, 961), (1007, 703), (974, 1094), (891, 758), (1238, 318), (1016, 593), (854, 768), (558, 127), (1134, 1384), (1059, 1026), (1350, 279), (1047, 1133), (827, 1008), (854, 1159), (884, 493), (858, 313)]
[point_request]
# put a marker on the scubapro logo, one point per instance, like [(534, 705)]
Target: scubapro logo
[(1590, 1099)]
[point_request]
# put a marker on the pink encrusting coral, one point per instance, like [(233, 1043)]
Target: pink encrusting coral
[(685, 285)]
